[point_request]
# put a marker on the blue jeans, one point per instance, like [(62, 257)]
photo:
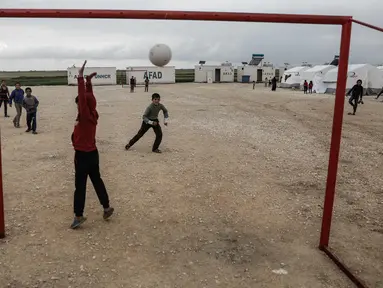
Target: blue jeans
[(31, 121)]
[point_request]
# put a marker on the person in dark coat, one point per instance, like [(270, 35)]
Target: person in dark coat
[(356, 98), (274, 84)]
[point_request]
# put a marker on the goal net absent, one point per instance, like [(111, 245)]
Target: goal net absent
[(344, 21)]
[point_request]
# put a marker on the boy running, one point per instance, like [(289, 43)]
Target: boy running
[(86, 159), (17, 96), (356, 93), (150, 120), (30, 104), (4, 97)]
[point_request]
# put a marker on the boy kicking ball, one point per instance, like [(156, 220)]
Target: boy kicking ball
[(150, 120)]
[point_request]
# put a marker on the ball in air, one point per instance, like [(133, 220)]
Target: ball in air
[(160, 55)]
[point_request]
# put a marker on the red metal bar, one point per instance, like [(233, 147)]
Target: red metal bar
[(336, 134), (368, 25), (174, 15), (2, 218), (359, 283)]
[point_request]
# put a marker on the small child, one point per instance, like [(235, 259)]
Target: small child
[(311, 85), (356, 98), (30, 103), (305, 87), (150, 120), (147, 84)]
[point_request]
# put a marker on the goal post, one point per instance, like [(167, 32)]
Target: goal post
[(344, 21)]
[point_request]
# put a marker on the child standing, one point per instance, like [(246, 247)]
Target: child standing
[(311, 85), (150, 120), (30, 103), (86, 157), (132, 84), (17, 96), (4, 97), (305, 87), (146, 84)]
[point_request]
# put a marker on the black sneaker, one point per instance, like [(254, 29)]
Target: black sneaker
[(127, 147), (77, 221), (108, 212), (34, 132), (157, 151), (28, 130)]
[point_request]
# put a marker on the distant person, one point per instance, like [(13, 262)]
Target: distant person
[(311, 85), (150, 120), (253, 85), (274, 84), (86, 157), (17, 96), (380, 93), (30, 103), (281, 79), (146, 84), (4, 97), (266, 82), (305, 87), (132, 84), (269, 82), (356, 93)]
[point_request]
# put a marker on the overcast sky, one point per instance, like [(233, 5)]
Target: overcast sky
[(34, 44)]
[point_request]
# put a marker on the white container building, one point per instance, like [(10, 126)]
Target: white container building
[(156, 75), (223, 73), (105, 75)]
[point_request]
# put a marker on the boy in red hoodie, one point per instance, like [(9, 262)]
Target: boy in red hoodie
[(86, 157)]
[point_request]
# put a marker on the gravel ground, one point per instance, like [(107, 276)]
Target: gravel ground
[(235, 200)]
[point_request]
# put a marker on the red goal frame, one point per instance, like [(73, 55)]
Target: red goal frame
[(344, 21)]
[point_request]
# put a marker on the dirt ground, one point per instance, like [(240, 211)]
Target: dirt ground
[(235, 200)]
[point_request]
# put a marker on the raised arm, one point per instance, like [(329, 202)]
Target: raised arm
[(83, 108)]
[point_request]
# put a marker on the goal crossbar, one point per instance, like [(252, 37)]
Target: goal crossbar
[(344, 21)]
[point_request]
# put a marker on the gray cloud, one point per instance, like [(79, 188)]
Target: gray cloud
[(57, 43)]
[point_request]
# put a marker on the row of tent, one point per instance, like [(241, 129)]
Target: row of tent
[(324, 77)]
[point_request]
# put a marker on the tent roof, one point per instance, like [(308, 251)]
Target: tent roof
[(351, 67), (319, 68), (296, 69)]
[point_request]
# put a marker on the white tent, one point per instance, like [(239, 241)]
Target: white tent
[(316, 75), (292, 77), (371, 77)]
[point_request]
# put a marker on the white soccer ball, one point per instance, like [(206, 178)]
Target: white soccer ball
[(160, 55)]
